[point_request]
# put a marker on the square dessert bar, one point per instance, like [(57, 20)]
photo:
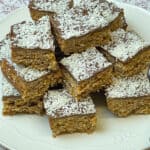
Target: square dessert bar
[(30, 83), (128, 51), (39, 8), (66, 115), (87, 24), (130, 95), (33, 44), (86, 72), (14, 104), (5, 48)]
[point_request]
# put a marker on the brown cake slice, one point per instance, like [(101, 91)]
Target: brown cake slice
[(128, 51), (86, 72), (30, 83), (66, 115), (130, 95), (39, 8), (87, 24), (14, 104), (33, 44)]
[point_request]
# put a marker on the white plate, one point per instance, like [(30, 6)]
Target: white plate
[(29, 132)]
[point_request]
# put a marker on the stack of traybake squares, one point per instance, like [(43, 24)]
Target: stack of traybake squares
[(70, 49)]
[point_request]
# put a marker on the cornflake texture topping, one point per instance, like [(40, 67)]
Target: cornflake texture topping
[(51, 5), (8, 89), (135, 86), (59, 103), (27, 73), (36, 34), (125, 44), (86, 64), (84, 17), (5, 51)]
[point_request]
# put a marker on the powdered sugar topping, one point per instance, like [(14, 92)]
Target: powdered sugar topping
[(135, 86), (59, 103), (35, 34), (86, 64), (5, 51), (85, 17), (27, 73), (125, 44), (50, 5), (8, 89)]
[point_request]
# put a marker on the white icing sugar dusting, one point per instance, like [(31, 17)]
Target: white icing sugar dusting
[(36, 34), (51, 5), (59, 103), (5, 51), (8, 89), (125, 44), (86, 64), (135, 86), (86, 16), (27, 73)]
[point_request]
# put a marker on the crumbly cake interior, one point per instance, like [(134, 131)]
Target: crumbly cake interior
[(81, 123), (86, 64), (125, 45), (51, 5), (37, 58), (40, 59), (123, 107), (84, 88), (67, 115), (86, 17), (129, 95), (13, 105), (31, 89), (33, 34), (127, 87), (59, 103)]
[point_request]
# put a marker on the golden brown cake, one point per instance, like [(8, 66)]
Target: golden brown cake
[(86, 72), (14, 104), (66, 115), (129, 95), (30, 83), (87, 24), (128, 51), (33, 44)]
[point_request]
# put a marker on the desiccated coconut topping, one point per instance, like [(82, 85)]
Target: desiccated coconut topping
[(35, 34), (59, 103), (8, 89), (84, 17), (135, 86), (86, 64), (51, 5), (27, 73), (5, 51), (125, 44)]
